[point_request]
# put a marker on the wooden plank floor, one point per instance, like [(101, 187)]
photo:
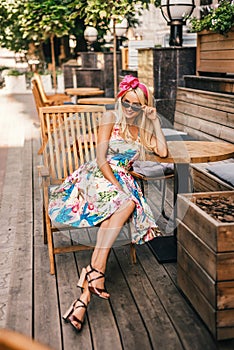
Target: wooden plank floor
[(146, 309)]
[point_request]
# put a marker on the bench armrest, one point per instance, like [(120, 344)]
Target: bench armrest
[(43, 171)]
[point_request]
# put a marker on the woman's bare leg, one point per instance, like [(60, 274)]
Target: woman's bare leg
[(107, 234), (79, 312)]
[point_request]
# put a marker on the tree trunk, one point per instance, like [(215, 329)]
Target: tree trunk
[(53, 62), (115, 61)]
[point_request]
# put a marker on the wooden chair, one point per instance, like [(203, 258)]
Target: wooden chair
[(37, 96), (71, 141), (11, 340), (49, 100), (42, 100)]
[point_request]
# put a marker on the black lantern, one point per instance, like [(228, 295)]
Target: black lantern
[(175, 13)]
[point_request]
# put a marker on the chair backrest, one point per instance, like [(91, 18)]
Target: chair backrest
[(41, 89), (36, 94), (69, 134)]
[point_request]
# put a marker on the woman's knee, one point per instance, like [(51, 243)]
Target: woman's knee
[(132, 205), (105, 223)]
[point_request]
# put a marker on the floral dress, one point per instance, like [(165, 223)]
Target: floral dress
[(86, 197)]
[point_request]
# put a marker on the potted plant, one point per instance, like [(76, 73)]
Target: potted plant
[(2, 68), (15, 81), (60, 80), (215, 39)]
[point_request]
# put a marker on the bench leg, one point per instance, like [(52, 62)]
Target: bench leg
[(133, 253)]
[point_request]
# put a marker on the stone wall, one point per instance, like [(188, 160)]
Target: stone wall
[(92, 69), (163, 70)]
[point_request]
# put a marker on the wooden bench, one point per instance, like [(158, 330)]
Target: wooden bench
[(69, 135), (12, 340), (206, 116), (69, 138)]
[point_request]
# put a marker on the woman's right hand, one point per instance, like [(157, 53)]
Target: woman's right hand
[(150, 112)]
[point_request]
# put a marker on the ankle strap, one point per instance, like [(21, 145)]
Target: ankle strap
[(82, 302), (94, 270)]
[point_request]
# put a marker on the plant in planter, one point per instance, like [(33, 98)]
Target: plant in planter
[(15, 81), (215, 39), (60, 80), (219, 19), (2, 68)]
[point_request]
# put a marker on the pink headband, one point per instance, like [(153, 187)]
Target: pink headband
[(130, 82)]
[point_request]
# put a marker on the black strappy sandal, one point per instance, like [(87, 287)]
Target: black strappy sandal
[(85, 275), (70, 318)]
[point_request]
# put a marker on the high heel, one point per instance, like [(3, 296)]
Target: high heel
[(70, 318), (81, 282), (85, 275)]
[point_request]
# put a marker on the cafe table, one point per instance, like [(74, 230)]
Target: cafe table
[(84, 92), (96, 101), (183, 153)]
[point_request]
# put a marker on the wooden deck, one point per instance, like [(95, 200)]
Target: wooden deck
[(146, 309)]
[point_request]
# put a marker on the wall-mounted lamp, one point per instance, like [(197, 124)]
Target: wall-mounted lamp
[(175, 13)]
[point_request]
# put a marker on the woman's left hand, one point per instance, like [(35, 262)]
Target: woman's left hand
[(150, 112)]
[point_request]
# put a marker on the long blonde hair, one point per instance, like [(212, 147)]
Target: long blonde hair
[(145, 124)]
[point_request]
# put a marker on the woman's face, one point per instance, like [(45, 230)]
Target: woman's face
[(131, 105)]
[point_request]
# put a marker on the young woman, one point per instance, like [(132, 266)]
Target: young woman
[(102, 192)]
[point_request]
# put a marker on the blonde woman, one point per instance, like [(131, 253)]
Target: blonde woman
[(102, 192)]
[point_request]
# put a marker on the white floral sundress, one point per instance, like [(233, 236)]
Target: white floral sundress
[(86, 197)]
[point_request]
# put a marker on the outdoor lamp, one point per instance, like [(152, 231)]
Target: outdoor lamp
[(90, 35), (175, 13), (118, 29), (118, 26), (72, 41)]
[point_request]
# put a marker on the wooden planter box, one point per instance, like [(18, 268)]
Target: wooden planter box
[(206, 263), (215, 52)]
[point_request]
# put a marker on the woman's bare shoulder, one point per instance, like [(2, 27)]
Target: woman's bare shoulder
[(108, 117)]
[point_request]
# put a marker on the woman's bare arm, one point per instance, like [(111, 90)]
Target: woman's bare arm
[(160, 147), (158, 141), (104, 134)]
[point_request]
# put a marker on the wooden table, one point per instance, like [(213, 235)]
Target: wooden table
[(96, 101), (182, 153), (84, 92)]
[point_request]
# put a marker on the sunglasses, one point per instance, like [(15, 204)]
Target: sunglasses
[(135, 108)]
